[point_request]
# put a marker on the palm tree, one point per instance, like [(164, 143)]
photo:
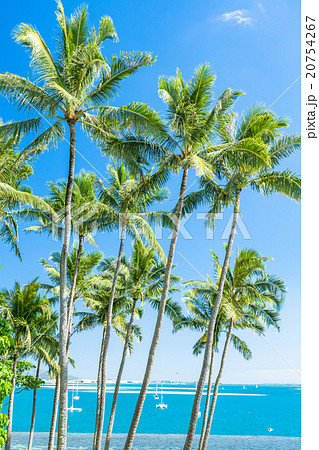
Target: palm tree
[(258, 133), (44, 349), (252, 299), (14, 170), (199, 301), (86, 214), (192, 122), (85, 280), (69, 89), (141, 280), (21, 306), (54, 375), (98, 302), (128, 198)]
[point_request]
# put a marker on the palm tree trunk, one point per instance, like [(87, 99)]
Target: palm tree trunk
[(210, 332), (216, 386), (119, 377), (101, 398), (11, 398), (209, 388), (160, 316), (72, 292), (98, 400), (54, 413), (34, 408), (63, 409)]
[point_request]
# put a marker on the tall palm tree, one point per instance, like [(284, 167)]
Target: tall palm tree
[(86, 214), (258, 132), (84, 264), (70, 89), (85, 280), (54, 375), (128, 198), (199, 301), (192, 123), (44, 348), (21, 306), (98, 302), (252, 299), (141, 280)]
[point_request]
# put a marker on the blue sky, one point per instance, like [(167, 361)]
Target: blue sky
[(251, 46)]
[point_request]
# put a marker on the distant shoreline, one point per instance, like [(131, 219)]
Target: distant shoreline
[(88, 381)]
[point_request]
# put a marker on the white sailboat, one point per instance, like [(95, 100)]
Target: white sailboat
[(156, 394), (161, 405), (76, 397), (72, 409)]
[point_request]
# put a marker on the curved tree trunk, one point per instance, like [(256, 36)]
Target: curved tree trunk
[(63, 332), (119, 377), (160, 315), (11, 398), (34, 404), (54, 413), (209, 388), (72, 292), (216, 386), (100, 407), (210, 332)]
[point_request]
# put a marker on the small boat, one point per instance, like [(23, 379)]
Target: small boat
[(72, 409), (156, 394), (199, 414), (76, 397), (270, 429), (244, 387), (257, 386), (161, 405)]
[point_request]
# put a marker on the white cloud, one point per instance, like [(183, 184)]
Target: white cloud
[(261, 7), (239, 16)]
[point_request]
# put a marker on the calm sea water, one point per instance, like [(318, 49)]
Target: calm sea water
[(80, 441), (250, 411)]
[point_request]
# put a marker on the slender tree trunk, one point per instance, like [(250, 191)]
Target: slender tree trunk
[(160, 315), (210, 332), (72, 292), (209, 388), (34, 404), (63, 332), (100, 409), (98, 400), (216, 386), (11, 398), (119, 377), (54, 413)]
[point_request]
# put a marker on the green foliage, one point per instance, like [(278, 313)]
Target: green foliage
[(70, 84), (14, 171), (251, 299), (5, 375)]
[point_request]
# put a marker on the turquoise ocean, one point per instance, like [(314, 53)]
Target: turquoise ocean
[(241, 411)]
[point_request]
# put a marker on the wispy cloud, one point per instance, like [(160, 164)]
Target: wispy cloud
[(261, 7), (239, 16)]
